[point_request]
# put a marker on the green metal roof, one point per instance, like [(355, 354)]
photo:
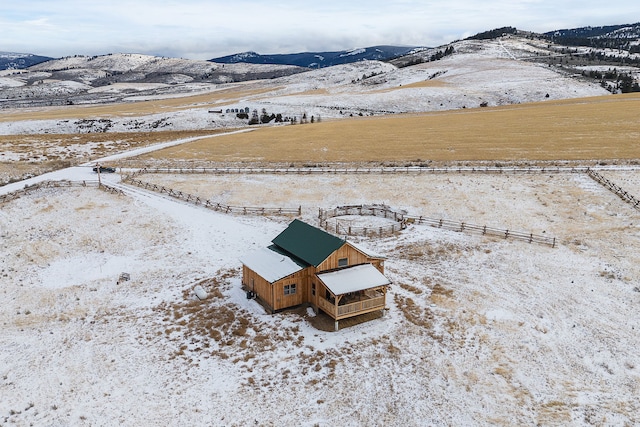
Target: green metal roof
[(310, 244)]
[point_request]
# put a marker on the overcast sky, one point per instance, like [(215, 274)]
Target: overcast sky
[(204, 29)]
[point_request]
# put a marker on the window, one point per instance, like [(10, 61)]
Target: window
[(290, 289), (313, 289), (343, 262)]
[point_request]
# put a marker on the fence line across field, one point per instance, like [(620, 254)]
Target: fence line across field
[(245, 210), (615, 189), (56, 184), (482, 229), (401, 219), (407, 170)]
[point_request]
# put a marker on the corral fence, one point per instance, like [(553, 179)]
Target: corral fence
[(484, 230), (56, 184), (197, 200), (381, 211), (401, 219), (615, 189)]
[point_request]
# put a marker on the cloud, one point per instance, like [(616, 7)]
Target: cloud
[(203, 29)]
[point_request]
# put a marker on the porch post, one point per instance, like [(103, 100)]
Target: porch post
[(337, 300)]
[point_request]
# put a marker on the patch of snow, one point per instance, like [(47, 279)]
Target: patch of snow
[(353, 52)]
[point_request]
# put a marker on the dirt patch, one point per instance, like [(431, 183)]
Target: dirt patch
[(324, 322)]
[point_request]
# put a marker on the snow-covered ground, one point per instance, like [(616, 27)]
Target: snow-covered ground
[(480, 331)]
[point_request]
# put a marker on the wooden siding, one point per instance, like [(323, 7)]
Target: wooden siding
[(273, 294), (354, 256), (301, 280), (252, 281)]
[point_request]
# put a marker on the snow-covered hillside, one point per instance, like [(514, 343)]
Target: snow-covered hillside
[(490, 72)]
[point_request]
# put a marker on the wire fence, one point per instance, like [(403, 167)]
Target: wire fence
[(197, 200), (615, 189)]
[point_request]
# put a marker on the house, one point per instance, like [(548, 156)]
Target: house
[(307, 265)]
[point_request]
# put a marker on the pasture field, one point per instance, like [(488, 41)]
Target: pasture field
[(604, 128), (131, 109), (26, 155)]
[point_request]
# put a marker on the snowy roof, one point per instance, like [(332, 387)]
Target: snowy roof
[(271, 265), (353, 279)]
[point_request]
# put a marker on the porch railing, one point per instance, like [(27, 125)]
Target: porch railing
[(353, 308), (358, 306)]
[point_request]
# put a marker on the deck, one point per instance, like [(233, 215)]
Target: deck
[(364, 304)]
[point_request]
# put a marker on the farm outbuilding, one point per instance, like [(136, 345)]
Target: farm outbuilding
[(307, 265)]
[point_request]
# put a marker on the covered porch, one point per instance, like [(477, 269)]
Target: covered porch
[(352, 291)]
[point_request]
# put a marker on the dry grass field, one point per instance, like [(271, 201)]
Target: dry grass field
[(41, 153), (603, 128)]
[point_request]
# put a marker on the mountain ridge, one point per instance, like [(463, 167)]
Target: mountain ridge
[(19, 61), (319, 59)]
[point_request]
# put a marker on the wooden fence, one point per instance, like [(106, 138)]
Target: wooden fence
[(214, 205), (484, 230), (56, 184), (381, 211), (615, 189), (416, 170), (401, 219)]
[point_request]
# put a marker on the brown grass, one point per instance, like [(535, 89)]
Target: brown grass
[(577, 129), (47, 148), (118, 141)]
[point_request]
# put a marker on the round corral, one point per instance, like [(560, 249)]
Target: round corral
[(362, 220)]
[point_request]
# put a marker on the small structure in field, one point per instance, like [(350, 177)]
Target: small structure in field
[(306, 265)]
